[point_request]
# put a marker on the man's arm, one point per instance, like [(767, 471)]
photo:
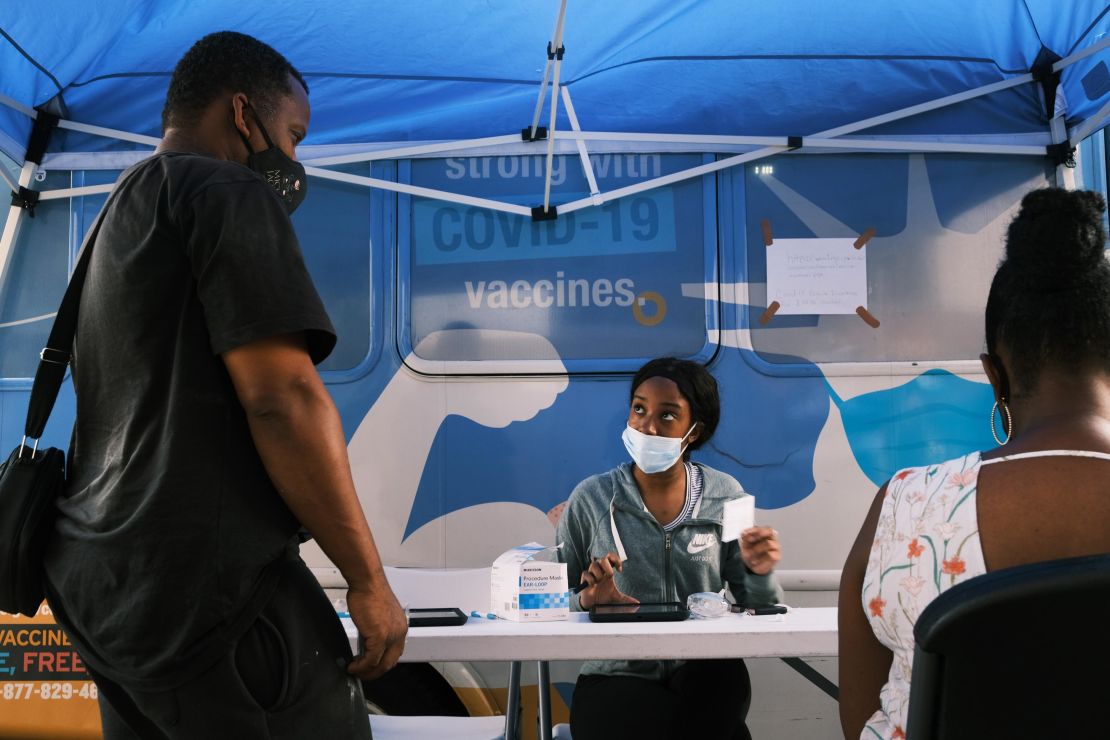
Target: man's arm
[(864, 661), (297, 431)]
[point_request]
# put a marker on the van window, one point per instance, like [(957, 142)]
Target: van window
[(34, 281), (599, 288), (1092, 159), (939, 223), (333, 225)]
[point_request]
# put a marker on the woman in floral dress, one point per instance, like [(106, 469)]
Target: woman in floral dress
[(931, 527)]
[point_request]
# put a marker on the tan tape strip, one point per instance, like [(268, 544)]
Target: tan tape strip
[(775, 306), (767, 237), (867, 317), (864, 238)]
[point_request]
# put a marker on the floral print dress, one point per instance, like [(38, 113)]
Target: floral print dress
[(926, 541)]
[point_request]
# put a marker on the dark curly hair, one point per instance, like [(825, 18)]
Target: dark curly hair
[(224, 62), (1049, 303), (696, 385)]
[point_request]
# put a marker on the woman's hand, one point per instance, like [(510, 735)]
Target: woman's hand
[(759, 549), (600, 586)]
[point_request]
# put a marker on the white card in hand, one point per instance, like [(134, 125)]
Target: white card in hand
[(739, 514)]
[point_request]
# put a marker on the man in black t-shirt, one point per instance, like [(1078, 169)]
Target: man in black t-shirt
[(205, 439)]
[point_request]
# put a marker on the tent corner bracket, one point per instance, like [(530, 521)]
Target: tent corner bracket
[(26, 199), (1061, 154), (529, 134), (539, 213)]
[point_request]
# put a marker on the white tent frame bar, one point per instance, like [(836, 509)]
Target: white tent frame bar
[(914, 110), (961, 97), (12, 103), (75, 192), (413, 151), (583, 154), (1088, 127), (110, 133), (398, 187), (656, 182), (888, 145), (1083, 54)]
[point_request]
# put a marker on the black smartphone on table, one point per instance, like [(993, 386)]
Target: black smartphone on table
[(663, 611), (761, 611)]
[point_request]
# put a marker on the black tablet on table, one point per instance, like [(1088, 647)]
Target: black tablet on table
[(666, 611), (447, 616)]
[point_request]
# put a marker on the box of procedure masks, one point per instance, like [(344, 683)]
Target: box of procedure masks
[(529, 585)]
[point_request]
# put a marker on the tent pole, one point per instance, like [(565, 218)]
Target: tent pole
[(584, 155), (1065, 176), (539, 101), (11, 226), (556, 40), (554, 106)]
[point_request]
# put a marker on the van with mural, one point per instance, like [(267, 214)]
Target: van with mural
[(483, 360), (493, 293)]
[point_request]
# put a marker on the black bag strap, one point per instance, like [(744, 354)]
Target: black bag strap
[(57, 353)]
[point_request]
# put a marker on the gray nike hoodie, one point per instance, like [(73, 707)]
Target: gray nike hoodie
[(662, 566)]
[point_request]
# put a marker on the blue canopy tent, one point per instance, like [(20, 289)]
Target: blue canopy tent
[(395, 80)]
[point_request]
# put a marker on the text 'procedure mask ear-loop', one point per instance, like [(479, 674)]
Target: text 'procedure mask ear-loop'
[(286, 176), (654, 454)]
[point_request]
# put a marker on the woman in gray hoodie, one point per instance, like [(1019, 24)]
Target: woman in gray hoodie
[(650, 530)]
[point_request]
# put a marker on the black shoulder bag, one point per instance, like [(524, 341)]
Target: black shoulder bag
[(32, 480)]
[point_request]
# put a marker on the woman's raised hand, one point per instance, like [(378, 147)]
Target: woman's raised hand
[(759, 549), (601, 588)]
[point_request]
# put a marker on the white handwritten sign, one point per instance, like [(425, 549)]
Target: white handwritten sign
[(816, 276)]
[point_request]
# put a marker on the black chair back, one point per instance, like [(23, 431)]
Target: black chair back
[(1017, 653)]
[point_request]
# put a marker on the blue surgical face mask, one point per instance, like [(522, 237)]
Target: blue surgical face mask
[(654, 454)]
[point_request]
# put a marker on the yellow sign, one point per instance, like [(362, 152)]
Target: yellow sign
[(45, 691)]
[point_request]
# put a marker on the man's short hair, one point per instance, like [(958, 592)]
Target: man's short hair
[(226, 62)]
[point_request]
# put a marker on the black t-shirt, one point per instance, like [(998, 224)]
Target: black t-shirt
[(161, 552)]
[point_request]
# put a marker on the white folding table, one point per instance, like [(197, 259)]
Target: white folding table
[(802, 632)]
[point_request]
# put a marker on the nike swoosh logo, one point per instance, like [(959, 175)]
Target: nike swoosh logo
[(695, 549)]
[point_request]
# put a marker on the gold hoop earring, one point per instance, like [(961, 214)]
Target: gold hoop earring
[(1007, 417)]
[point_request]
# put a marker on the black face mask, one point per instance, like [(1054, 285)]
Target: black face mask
[(286, 176)]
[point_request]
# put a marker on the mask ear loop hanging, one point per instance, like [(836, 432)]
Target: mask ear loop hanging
[(261, 128), (682, 451)]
